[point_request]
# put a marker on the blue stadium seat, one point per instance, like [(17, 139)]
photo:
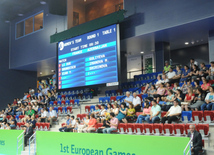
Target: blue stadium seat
[(51, 103), (92, 108), (64, 110), (67, 102), (76, 102), (59, 103), (101, 99), (186, 116), (56, 109), (106, 99), (162, 102), (144, 96)]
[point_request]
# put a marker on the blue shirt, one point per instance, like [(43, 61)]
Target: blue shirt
[(54, 76), (130, 98), (68, 122)]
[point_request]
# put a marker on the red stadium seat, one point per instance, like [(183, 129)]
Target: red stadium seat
[(63, 102), (139, 129), (8, 117), (63, 124), (179, 129), (79, 116), (99, 125), (18, 126), (138, 113), (69, 110), (168, 129), (130, 128), (148, 129), (197, 116), (46, 126), (38, 125), (119, 92), (113, 98), (87, 109), (163, 113), (59, 110), (72, 102), (83, 116), (158, 129), (42, 126), (21, 116), (203, 129), (99, 106), (55, 103), (122, 128), (140, 97), (36, 116), (208, 116)]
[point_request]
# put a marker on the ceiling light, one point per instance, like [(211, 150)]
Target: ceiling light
[(141, 52), (186, 43), (52, 70), (40, 73), (20, 14), (84, 0), (7, 21), (42, 2)]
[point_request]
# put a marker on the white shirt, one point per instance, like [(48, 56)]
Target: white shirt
[(115, 110), (171, 74), (52, 113), (44, 114), (136, 101), (73, 122), (174, 110)]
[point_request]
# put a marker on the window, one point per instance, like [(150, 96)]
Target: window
[(38, 22), (29, 25)]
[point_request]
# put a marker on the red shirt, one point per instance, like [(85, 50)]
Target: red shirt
[(188, 97), (92, 122)]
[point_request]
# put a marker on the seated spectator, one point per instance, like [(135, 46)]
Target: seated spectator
[(169, 101), (179, 96), (160, 92), (30, 111), (113, 124), (96, 111), (136, 102), (205, 86), (198, 100), (196, 87), (151, 91), (101, 114), (3, 121), (165, 79), (67, 123), (7, 127), (211, 72), (193, 62), (39, 93), (167, 87), (19, 109), (44, 115), (91, 124), (187, 84), (173, 113), (109, 108), (71, 126), (115, 109), (176, 87), (146, 112), (166, 67), (188, 100), (76, 125), (209, 100), (194, 73), (177, 77), (35, 107), (130, 113), (85, 124), (157, 84), (122, 112), (204, 72), (33, 122), (12, 122), (52, 116), (1, 116), (28, 133), (128, 99), (100, 130), (185, 74), (9, 109), (196, 140), (155, 113), (171, 75)]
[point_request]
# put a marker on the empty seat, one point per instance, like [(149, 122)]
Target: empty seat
[(38, 126), (46, 127), (55, 103), (139, 129), (72, 102), (83, 116), (130, 128), (148, 129), (63, 102), (122, 128), (168, 129), (92, 108), (203, 129), (69, 110), (113, 98), (197, 116), (208, 116), (186, 116), (87, 109), (101, 99), (59, 110), (51, 103), (179, 129), (67, 102), (79, 116), (158, 129)]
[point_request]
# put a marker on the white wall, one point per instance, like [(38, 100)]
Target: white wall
[(134, 63)]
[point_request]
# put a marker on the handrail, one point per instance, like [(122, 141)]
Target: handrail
[(18, 140), (188, 145), (31, 139)]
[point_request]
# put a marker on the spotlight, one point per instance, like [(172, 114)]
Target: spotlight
[(186, 43)]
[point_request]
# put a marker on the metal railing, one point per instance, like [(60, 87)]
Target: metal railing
[(32, 140), (143, 71), (20, 138), (188, 146)]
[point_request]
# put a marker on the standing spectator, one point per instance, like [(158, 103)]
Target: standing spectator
[(113, 124), (209, 100), (188, 100), (91, 124), (193, 62), (28, 133), (154, 113), (146, 113), (122, 112), (185, 74), (199, 100), (52, 116), (173, 113), (68, 122), (211, 72), (196, 140), (136, 102), (128, 99), (166, 67), (130, 113)]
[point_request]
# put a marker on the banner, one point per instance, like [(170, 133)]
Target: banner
[(8, 142), (62, 143)]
